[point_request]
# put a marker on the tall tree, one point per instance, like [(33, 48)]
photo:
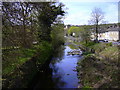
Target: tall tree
[(48, 13), (97, 17), (18, 22), (85, 34), (22, 19)]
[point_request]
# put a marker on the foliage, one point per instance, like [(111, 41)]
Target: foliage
[(73, 46), (99, 69), (13, 59), (44, 52), (75, 30), (27, 35), (29, 22), (109, 44), (48, 13), (110, 53), (98, 47), (21, 22), (82, 34), (57, 35), (85, 35), (86, 88), (18, 24)]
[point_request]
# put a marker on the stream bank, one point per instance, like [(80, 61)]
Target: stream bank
[(22, 74), (61, 72), (101, 68)]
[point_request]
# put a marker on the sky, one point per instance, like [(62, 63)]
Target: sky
[(79, 12)]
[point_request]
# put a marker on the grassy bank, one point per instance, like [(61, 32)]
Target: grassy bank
[(20, 65), (99, 67), (73, 46)]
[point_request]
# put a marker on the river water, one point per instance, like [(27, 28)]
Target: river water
[(62, 71)]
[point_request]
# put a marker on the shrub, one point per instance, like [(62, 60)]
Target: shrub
[(110, 53), (109, 44), (57, 35), (44, 52), (98, 47)]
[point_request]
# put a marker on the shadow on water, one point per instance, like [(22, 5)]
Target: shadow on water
[(60, 73)]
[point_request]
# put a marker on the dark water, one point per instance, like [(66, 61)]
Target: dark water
[(61, 72)]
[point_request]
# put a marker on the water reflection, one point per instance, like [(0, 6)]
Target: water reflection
[(57, 76), (59, 53), (61, 71), (64, 74)]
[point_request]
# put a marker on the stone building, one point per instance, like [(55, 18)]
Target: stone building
[(112, 33)]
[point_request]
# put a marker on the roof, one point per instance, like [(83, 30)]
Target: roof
[(109, 29), (113, 29)]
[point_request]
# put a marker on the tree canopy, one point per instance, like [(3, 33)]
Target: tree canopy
[(75, 30), (28, 22)]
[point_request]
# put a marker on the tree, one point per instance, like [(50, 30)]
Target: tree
[(97, 17), (48, 13), (75, 30), (85, 34), (24, 22), (18, 24), (57, 35)]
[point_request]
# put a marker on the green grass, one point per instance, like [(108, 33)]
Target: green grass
[(87, 88), (73, 46), (16, 59), (96, 66), (11, 67), (110, 53), (77, 43), (88, 44)]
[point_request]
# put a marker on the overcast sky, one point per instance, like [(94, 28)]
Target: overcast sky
[(78, 12)]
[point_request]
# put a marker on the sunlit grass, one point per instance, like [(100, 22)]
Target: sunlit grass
[(73, 46), (16, 59), (94, 68)]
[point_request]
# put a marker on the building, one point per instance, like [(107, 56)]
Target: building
[(111, 33)]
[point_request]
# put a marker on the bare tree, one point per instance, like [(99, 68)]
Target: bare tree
[(19, 24), (97, 17)]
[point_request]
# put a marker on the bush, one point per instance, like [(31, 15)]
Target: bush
[(44, 52), (91, 43), (95, 68), (109, 44), (110, 53), (57, 35), (98, 47)]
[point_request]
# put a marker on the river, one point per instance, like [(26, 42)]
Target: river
[(61, 72)]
